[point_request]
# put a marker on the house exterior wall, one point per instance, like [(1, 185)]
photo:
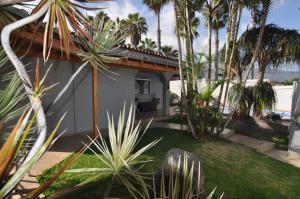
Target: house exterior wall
[(77, 101)]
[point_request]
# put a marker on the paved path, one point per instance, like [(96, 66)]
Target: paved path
[(58, 152)]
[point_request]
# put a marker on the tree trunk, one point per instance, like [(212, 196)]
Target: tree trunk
[(20, 68), (227, 52), (216, 33), (261, 74), (266, 8), (209, 51), (183, 97), (233, 35), (158, 33), (190, 44), (253, 25), (34, 100)]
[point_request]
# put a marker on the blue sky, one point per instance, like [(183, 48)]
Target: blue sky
[(285, 14)]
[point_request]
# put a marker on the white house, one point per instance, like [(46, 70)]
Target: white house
[(142, 79)]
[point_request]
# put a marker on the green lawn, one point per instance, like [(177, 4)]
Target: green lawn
[(237, 171), (176, 119)]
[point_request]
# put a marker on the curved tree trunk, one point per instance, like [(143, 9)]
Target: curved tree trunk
[(20, 68), (183, 97), (266, 8), (216, 33), (158, 33)]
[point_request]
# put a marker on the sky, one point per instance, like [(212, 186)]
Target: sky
[(286, 14)]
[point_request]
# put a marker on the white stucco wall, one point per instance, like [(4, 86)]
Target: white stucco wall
[(77, 101), (284, 94)]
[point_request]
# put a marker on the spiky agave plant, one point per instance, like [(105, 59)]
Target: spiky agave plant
[(180, 182), (120, 155)]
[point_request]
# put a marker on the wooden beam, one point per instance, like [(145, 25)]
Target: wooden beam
[(144, 66), (25, 37), (95, 100)]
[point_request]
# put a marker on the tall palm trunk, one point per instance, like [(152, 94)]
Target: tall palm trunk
[(183, 97), (253, 25), (227, 51), (209, 50), (234, 34), (216, 33), (158, 32), (190, 43)]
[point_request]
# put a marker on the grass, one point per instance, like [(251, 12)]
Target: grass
[(176, 119), (236, 170)]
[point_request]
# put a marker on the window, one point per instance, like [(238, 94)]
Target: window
[(142, 86)]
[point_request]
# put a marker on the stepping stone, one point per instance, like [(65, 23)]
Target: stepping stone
[(289, 157), (166, 125), (226, 133), (259, 145)]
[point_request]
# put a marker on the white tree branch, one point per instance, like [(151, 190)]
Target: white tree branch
[(20, 68)]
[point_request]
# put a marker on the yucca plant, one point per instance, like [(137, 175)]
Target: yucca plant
[(245, 96), (11, 149), (11, 107), (179, 183), (264, 97), (120, 155)]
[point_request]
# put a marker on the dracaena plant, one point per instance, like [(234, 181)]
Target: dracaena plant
[(120, 155)]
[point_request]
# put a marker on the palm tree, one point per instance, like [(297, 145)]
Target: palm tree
[(169, 51), (156, 6), (191, 126), (136, 26), (188, 23), (209, 10), (279, 46), (148, 44), (219, 21)]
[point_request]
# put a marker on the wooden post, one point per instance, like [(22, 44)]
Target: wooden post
[(95, 100)]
